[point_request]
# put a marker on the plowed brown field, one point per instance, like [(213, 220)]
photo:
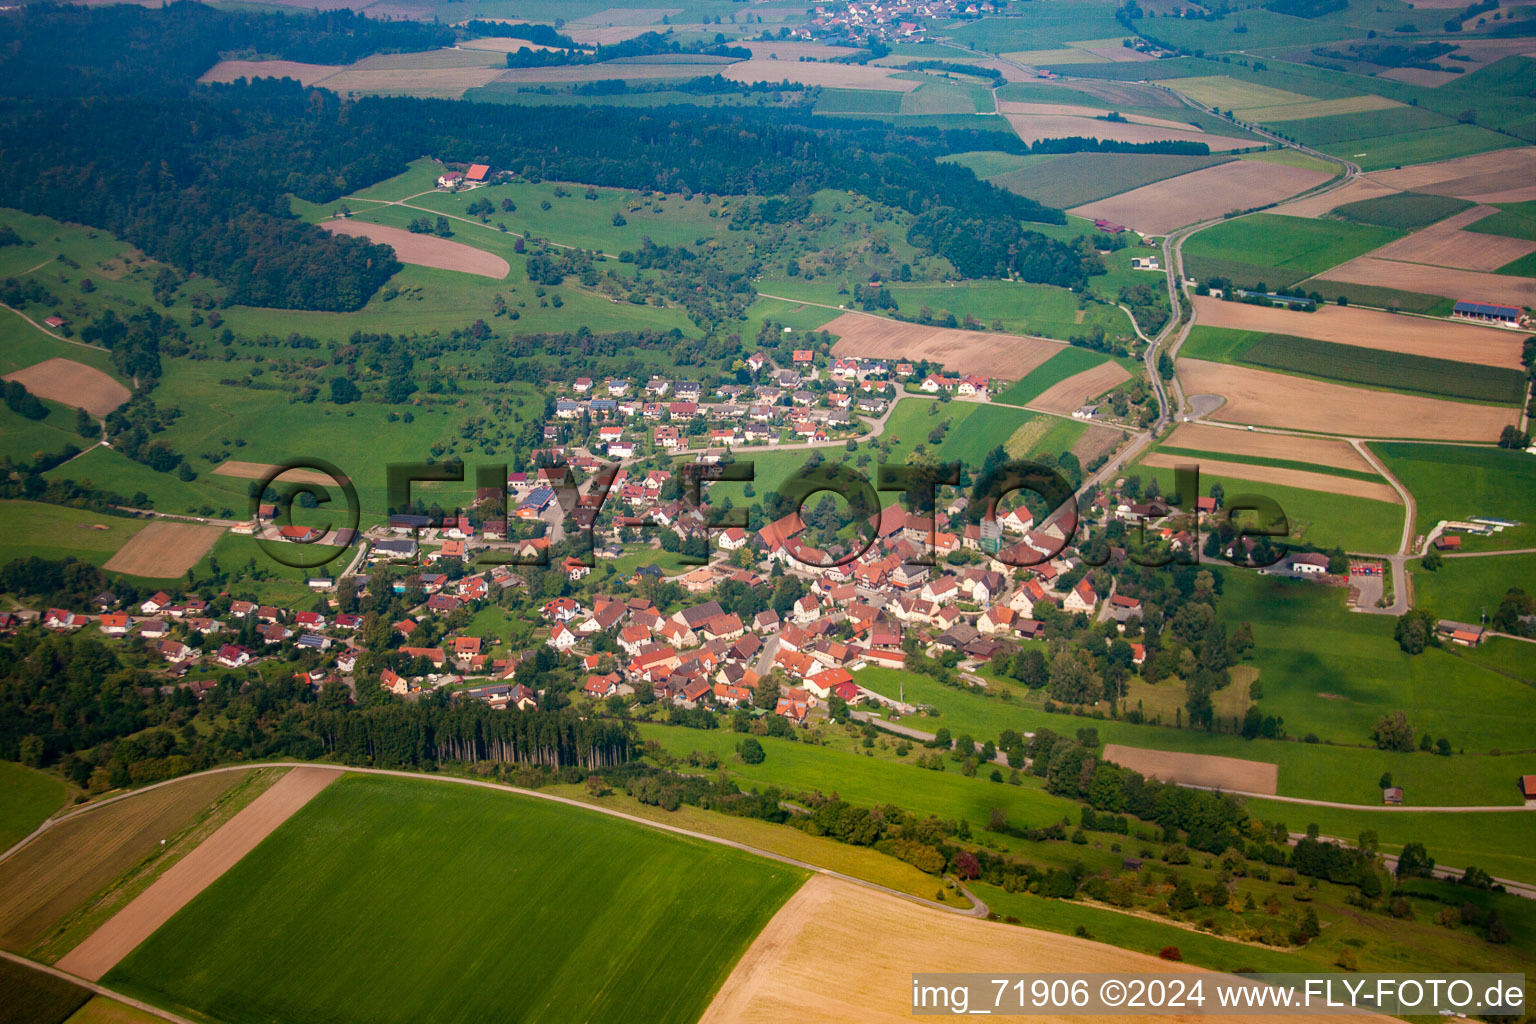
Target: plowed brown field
[(1008, 356), (1280, 400), (1201, 195), (70, 383), (1080, 388), (1196, 769), (1370, 328), (425, 250)]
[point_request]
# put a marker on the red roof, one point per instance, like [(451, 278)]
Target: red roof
[(477, 172)]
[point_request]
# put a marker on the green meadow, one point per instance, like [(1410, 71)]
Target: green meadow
[(1283, 250), (1470, 589), (54, 531), (1313, 517), (504, 901), (27, 798), (1457, 482)]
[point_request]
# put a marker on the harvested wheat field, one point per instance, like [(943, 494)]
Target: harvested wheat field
[(1230, 773), (1034, 127), (425, 250), (504, 44), (48, 878), (74, 384), (1447, 244), (164, 549), (1320, 451), (1451, 283), (437, 83), (233, 70), (833, 76), (1371, 328), (104, 947), (1202, 195), (1096, 441), (599, 72), (878, 941), (1080, 389), (1009, 356), (790, 50), (259, 471), (1421, 76), (1078, 110), (1268, 399), (1303, 479), (1502, 176), (1316, 206)]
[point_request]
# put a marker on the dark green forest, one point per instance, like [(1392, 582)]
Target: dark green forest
[(198, 176)]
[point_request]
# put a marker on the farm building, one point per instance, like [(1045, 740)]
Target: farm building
[(55, 322), (448, 179), (477, 172), (1487, 313), (1463, 633), (1392, 795), (1528, 786)]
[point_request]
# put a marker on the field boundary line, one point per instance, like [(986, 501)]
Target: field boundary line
[(978, 908), (120, 934), (95, 989)]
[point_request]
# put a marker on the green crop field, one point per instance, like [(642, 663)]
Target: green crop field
[(867, 781), (1525, 266), (32, 996), (1428, 145), (1261, 460), (1353, 364), (858, 101), (1053, 371), (53, 531), (1218, 344), (1314, 517), (1470, 589), (1283, 249), (27, 798), (1370, 124), (989, 163), (1513, 220), (503, 900), (1402, 211), (1382, 298), (1078, 178), (1457, 482)]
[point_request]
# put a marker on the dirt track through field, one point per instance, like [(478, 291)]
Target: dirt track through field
[(871, 943), (74, 384), (1080, 389), (1447, 244), (164, 549), (1371, 328), (1200, 195), (1301, 478), (988, 354), (1269, 399), (1444, 281), (1196, 769), (425, 250), (1202, 437), (121, 935)]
